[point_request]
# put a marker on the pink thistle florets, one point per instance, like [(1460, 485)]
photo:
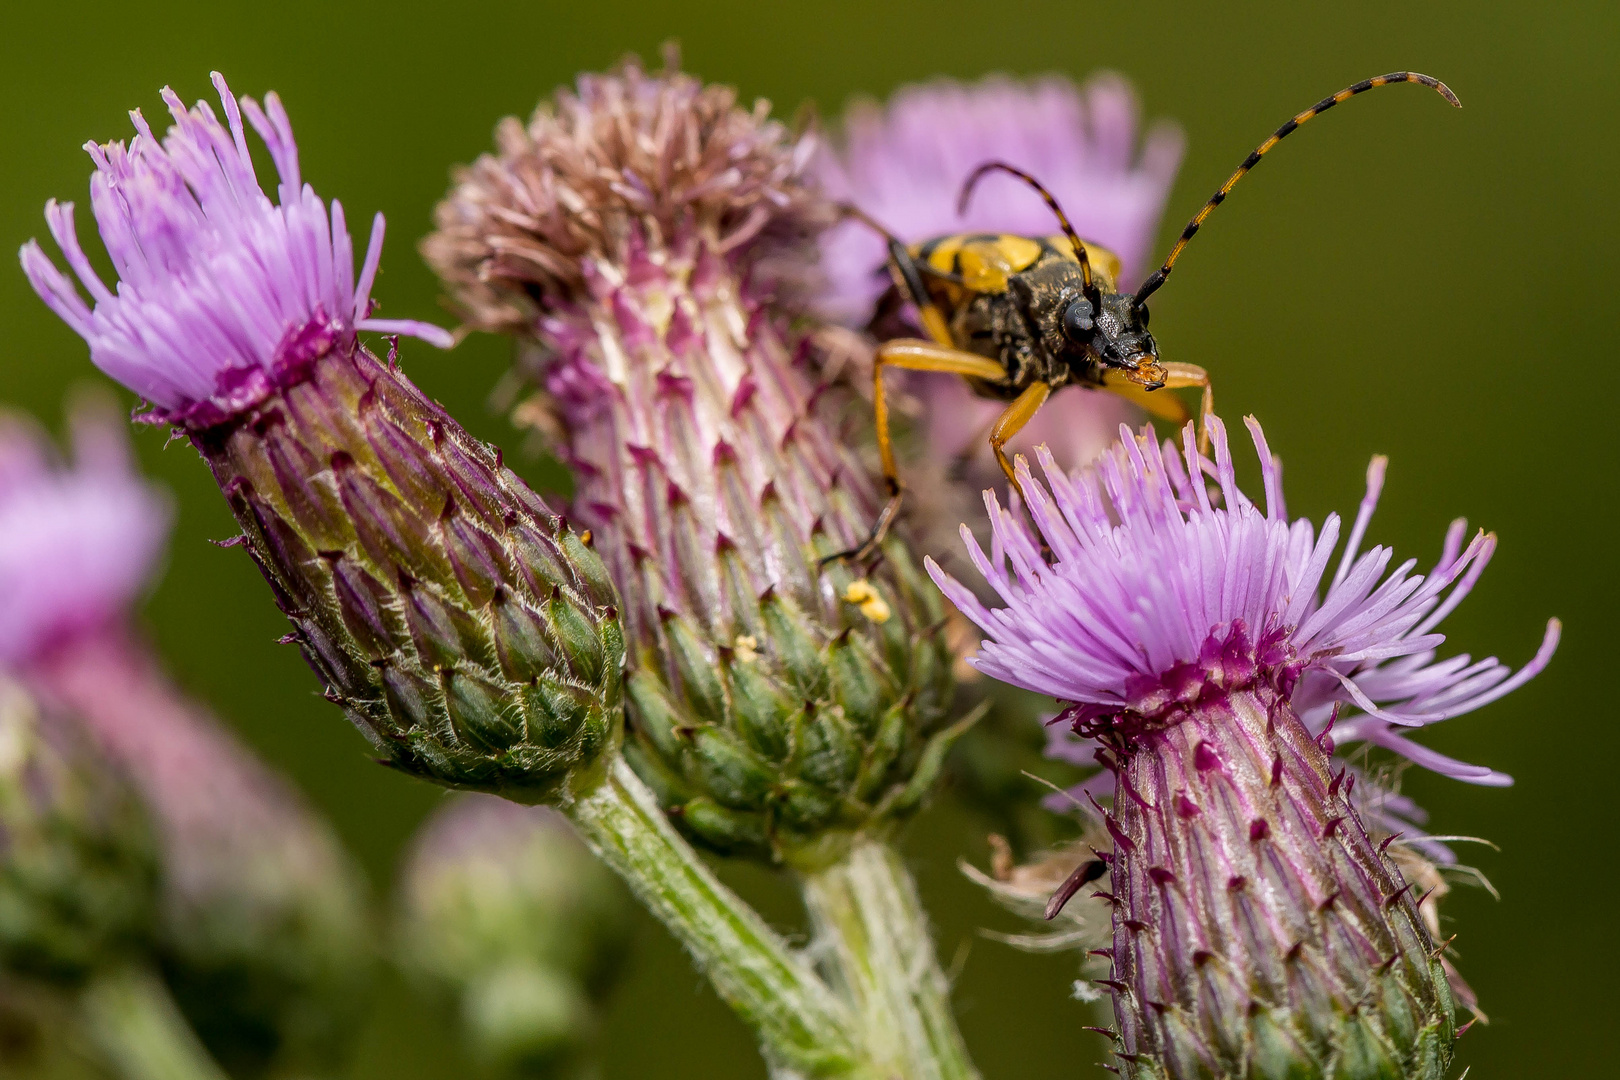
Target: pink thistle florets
[(904, 164), (222, 293), (1156, 600)]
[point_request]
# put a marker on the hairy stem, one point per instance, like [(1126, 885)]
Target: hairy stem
[(805, 1030), (874, 935), (138, 1026)]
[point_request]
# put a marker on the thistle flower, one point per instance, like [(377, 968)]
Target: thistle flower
[(1258, 929), (640, 236), (78, 870), (466, 632), (504, 911), (78, 542), (904, 164)]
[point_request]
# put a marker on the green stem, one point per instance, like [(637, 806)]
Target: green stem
[(140, 1029), (804, 1028), (871, 927)]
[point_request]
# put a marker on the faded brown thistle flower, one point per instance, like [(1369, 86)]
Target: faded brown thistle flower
[(640, 237)]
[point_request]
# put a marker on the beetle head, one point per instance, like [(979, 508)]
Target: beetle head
[(1117, 334)]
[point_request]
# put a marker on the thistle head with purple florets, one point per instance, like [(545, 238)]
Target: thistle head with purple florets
[(465, 630), (1206, 647), (222, 294), (1157, 597)]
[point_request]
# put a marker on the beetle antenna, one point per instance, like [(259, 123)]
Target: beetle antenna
[(1158, 276), (1051, 201)]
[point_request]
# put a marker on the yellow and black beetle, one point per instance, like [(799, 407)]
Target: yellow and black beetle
[(1020, 317)]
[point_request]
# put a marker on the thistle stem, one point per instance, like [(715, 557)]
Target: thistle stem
[(805, 1030), (872, 929), (138, 1026)]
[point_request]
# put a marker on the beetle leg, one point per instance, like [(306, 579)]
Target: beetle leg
[(1164, 406), (1168, 406), (911, 354), (1019, 413), (1178, 376)]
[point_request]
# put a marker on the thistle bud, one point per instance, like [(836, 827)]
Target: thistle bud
[(638, 236), (1259, 928), (78, 866), (466, 632), (505, 914)]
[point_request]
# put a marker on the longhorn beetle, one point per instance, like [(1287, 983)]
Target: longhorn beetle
[(1020, 317)]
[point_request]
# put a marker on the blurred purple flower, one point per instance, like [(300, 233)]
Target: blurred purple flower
[(255, 887), (1156, 594), (263, 928), (219, 288), (904, 164), (78, 541)]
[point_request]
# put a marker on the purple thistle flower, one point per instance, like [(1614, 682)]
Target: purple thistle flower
[(216, 282), (1155, 591), (79, 541), (467, 633), (1206, 650), (642, 236)]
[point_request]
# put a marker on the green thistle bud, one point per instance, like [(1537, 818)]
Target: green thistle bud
[(78, 866), (638, 238), (507, 916), (443, 604)]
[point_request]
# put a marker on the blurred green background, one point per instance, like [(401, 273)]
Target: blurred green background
[(1405, 279)]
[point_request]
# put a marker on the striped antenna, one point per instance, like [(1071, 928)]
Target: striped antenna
[(1051, 201), (1158, 276)]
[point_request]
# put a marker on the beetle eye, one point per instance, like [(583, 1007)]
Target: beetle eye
[(1077, 321), (1143, 315)]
